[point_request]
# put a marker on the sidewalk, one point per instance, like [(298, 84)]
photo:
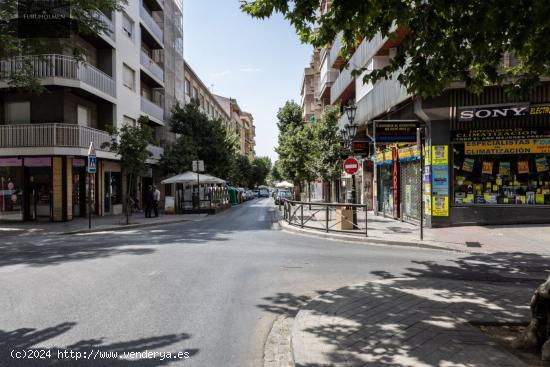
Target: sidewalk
[(469, 239), (408, 322), (99, 224)]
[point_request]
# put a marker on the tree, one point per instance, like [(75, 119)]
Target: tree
[(328, 152), (296, 146), (130, 144), (199, 138), (275, 173), (77, 16), (261, 166), (442, 41)]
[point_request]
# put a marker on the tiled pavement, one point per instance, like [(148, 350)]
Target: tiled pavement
[(408, 322)]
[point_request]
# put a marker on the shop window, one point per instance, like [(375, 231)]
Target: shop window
[(503, 179), (11, 193)]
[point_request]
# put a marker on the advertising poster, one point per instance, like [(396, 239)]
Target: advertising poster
[(487, 168), (504, 169), (440, 154), (468, 165), (428, 199), (440, 181), (523, 167), (542, 164), (169, 205), (440, 206)]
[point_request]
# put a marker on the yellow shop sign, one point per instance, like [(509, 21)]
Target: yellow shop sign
[(524, 146)]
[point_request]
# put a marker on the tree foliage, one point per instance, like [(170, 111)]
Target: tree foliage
[(83, 15), (200, 137), (328, 152), (296, 145), (442, 41)]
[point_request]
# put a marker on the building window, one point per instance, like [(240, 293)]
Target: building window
[(128, 25), (202, 101), (187, 87), (128, 121), (128, 76), (195, 93), (83, 115), (18, 112)]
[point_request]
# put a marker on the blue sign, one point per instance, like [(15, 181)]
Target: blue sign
[(92, 164)]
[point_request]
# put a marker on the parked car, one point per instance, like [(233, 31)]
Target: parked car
[(263, 192), (250, 195), (283, 195)]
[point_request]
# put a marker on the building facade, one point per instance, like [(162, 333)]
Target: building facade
[(483, 159), (130, 70)]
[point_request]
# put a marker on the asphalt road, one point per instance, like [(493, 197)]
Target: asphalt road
[(210, 288)]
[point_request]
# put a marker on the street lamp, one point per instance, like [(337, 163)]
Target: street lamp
[(351, 132)]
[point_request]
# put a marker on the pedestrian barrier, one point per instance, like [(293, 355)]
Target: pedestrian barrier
[(327, 217)]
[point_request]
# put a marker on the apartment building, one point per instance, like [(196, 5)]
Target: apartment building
[(131, 70), (195, 89), (483, 163), (242, 123), (312, 107)]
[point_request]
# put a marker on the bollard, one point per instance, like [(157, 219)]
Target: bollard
[(326, 219), (366, 221)]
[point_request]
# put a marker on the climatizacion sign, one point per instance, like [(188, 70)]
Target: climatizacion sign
[(471, 113)]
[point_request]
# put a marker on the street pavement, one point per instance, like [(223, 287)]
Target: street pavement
[(211, 288)]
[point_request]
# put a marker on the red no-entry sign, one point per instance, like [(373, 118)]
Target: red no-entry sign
[(351, 166)]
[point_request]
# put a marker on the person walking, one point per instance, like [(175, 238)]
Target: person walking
[(156, 200), (149, 199)]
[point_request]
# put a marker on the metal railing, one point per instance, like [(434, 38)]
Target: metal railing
[(328, 79), (152, 109), (60, 66), (152, 66), (110, 27), (51, 135), (335, 50), (151, 23), (327, 217)]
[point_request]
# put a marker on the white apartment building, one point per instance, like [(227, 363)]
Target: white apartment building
[(134, 69)]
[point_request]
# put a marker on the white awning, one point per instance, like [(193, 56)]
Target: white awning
[(191, 177)]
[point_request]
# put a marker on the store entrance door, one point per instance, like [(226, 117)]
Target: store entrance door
[(38, 193)]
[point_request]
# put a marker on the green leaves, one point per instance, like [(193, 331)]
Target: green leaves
[(327, 157), (439, 41)]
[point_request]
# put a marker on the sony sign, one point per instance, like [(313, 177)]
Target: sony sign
[(494, 111)]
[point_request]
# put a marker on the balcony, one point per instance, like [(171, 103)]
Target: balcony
[(334, 56), (152, 67), (51, 135), (151, 25), (384, 95), (156, 152), (59, 69), (110, 27), (366, 51), (152, 110), (326, 82)]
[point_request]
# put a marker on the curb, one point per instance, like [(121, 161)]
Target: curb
[(364, 240), (122, 227)]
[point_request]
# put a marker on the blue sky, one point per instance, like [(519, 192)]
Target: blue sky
[(258, 62)]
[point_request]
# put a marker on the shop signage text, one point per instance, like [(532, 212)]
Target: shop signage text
[(396, 132), (470, 113), (500, 134), (523, 146)]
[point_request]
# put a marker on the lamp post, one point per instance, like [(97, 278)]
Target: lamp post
[(349, 136)]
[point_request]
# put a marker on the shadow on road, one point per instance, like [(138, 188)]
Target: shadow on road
[(31, 340), (386, 323)]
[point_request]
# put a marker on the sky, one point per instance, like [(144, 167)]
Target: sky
[(258, 62)]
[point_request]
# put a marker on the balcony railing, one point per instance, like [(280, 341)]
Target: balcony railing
[(335, 50), (152, 109), (366, 51), (51, 135), (156, 152), (152, 66), (385, 94), (59, 66), (327, 80), (151, 23), (110, 27)]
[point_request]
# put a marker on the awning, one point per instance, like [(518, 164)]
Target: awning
[(191, 177)]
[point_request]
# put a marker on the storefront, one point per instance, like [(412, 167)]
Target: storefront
[(386, 167), (490, 160), (55, 188), (409, 183)]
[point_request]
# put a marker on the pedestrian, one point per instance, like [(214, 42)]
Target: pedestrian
[(149, 199), (156, 199)]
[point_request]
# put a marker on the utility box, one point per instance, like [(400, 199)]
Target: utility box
[(344, 219)]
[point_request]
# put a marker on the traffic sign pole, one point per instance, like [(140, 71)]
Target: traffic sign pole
[(92, 170), (351, 166)]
